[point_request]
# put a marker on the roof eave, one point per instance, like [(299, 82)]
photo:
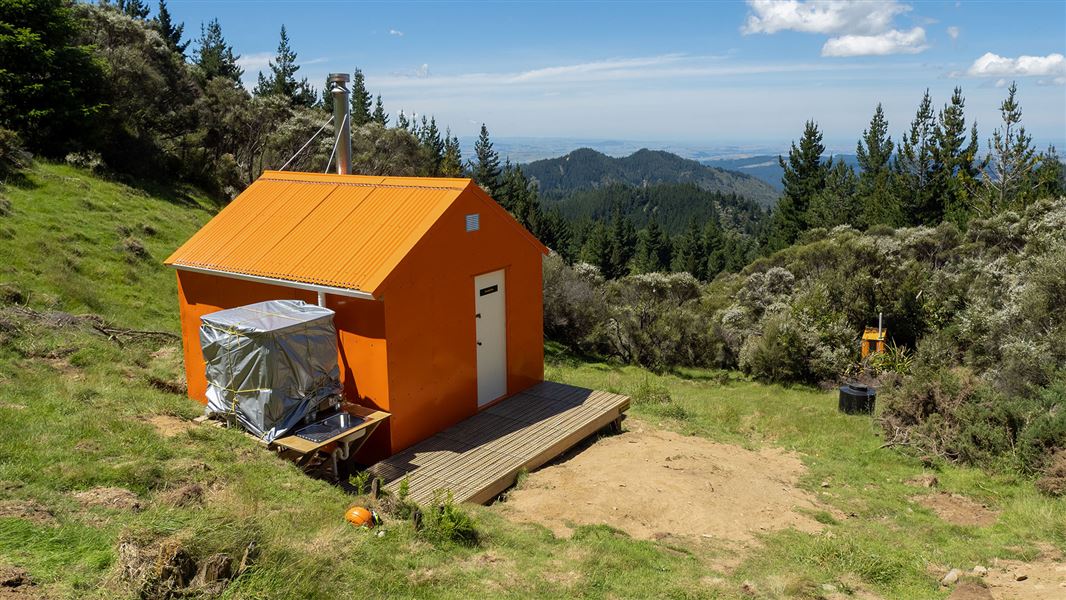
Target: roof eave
[(300, 285)]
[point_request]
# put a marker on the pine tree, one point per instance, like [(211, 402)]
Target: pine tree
[(282, 79), (653, 249), (955, 167), (486, 164), (804, 177), (714, 247), (1010, 175), (361, 101), (401, 121), (874, 154), (838, 203), (214, 56), (432, 145), (690, 253), (597, 248), (380, 116), (623, 244), (1050, 175), (170, 32), (913, 168), (137, 9), (452, 163)]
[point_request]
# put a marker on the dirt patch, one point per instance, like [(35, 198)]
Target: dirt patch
[(652, 484), (15, 583), (958, 509), (970, 591), (109, 497), (28, 510), (169, 426), (190, 494), (1041, 579)]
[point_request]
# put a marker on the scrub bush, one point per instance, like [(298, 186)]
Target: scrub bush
[(446, 522)]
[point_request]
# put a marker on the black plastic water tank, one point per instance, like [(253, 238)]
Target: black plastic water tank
[(856, 398)]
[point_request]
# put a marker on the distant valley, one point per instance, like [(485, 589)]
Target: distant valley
[(765, 166)]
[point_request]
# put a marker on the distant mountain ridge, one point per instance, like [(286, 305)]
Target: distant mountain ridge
[(586, 168), (766, 167)]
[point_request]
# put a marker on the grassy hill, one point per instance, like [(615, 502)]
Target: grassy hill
[(99, 458), (587, 168)]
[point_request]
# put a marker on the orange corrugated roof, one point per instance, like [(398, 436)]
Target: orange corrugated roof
[(346, 231)]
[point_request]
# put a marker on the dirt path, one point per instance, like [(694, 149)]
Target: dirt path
[(651, 484)]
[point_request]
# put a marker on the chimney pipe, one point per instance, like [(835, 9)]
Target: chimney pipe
[(341, 121)]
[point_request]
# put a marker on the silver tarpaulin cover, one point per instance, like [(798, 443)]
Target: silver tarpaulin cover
[(269, 363)]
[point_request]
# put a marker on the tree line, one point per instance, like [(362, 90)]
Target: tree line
[(935, 173)]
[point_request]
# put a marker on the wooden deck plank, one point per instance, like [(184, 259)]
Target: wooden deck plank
[(480, 457)]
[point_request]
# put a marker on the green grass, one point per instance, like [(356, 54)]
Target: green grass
[(62, 247), (73, 410)]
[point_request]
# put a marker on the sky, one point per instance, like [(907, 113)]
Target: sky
[(710, 73)]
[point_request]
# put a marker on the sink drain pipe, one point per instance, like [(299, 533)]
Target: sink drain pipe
[(339, 453)]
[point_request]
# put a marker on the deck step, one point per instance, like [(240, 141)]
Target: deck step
[(479, 458)]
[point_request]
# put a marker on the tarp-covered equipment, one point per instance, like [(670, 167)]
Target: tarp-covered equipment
[(270, 364)]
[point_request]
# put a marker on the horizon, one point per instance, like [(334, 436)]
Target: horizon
[(740, 73)]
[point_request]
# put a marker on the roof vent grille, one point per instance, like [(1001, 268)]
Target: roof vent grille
[(473, 222)]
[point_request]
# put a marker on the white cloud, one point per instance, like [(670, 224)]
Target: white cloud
[(1001, 83), (423, 71), (396, 32), (994, 65), (256, 61), (889, 42), (850, 17), (953, 32)]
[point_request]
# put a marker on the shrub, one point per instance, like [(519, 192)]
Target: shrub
[(1053, 483), (13, 157), (649, 393), (135, 249), (90, 160), (447, 522)]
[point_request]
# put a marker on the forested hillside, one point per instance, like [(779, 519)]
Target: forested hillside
[(587, 168)]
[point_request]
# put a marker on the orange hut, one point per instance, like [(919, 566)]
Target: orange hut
[(436, 289)]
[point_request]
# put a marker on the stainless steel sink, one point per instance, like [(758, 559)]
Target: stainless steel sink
[(331, 426)]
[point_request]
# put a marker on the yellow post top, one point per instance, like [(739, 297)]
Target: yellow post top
[(871, 334)]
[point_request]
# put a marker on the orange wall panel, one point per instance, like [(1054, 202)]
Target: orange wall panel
[(429, 311)]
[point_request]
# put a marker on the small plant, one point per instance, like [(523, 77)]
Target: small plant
[(402, 508), (360, 481), (447, 522), (895, 358), (649, 393), (135, 249)]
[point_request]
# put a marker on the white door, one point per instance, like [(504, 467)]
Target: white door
[(491, 330)]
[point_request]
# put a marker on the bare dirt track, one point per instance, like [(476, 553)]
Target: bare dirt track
[(653, 484)]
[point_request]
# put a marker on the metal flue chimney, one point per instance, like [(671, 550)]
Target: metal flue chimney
[(341, 121)]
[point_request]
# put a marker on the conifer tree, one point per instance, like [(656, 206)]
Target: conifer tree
[(623, 244), (361, 100), (874, 155), (955, 166), (597, 248), (804, 176), (486, 164), (714, 248), (380, 116), (913, 168), (282, 79), (401, 121), (690, 253), (1010, 175), (451, 164), (170, 32), (214, 56), (653, 249), (1050, 175), (137, 9)]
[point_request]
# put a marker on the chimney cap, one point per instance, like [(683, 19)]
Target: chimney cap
[(339, 78)]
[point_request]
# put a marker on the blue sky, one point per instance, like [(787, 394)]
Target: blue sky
[(692, 72)]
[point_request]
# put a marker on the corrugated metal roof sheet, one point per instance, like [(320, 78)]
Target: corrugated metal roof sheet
[(345, 231)]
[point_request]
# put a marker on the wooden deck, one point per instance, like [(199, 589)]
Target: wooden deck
[(480, 457)]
